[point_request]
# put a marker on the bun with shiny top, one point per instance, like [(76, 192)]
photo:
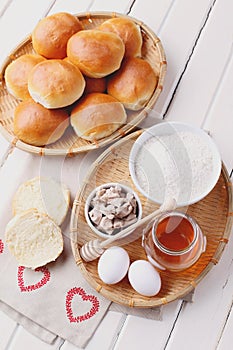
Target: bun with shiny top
[(133, 84), (55, 83), (17, 72), (37, 125), (96, 53), (50, 36), (128, 31)]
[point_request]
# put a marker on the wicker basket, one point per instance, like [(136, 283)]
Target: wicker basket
[(213, 213), (70, 143)]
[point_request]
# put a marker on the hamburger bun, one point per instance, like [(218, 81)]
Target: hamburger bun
[(55, 83), (16, 75), (50, 36), (37, 125), (96, 53), (128, 31), (96, 116), (33, 239), (44, 194), (133, 84)]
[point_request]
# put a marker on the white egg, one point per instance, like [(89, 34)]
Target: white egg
[(113, 265), (144, 278)]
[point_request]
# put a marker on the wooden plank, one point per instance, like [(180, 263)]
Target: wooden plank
[(4, 4), (7, 328), (155, 333), (18, 24), (178, 32), (219, 121), (24, 340), (206, 67), (202, 321), (121, 6), (226, 337), (152, 14), (71, 6)]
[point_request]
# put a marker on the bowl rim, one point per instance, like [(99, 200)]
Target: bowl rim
[(157, 130), (107, 185)]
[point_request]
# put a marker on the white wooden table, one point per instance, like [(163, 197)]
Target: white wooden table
[(197, 37)]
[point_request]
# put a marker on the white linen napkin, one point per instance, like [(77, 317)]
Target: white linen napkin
[(55, 297), (54, 300)]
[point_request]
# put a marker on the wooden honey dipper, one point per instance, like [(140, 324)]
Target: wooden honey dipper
[(95, 248)]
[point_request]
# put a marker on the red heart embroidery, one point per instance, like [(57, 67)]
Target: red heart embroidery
[(32, 287), (69, 297), (1, 246)]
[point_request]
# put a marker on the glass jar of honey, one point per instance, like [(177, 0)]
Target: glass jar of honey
[(175, 241)]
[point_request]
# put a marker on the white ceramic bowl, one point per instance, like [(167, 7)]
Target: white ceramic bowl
[(144, 166), (92, 194)]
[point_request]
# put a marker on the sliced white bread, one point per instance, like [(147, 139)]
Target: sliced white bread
[(44, 194), (33, 238)]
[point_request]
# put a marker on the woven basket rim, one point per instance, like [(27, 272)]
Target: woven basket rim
[(160, 301), (141, 115)]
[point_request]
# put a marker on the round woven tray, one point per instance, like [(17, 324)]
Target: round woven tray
[(213, 213), (70, 143)]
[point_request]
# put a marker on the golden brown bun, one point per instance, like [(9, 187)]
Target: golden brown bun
[(37, 125), (96, 53), (16, 74), (55, 83), (96, 116), (133, 84), (95, 85), (50, 36), (128, 31)]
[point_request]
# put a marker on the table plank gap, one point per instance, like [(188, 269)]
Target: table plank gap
[(130, 336), (188, 60), (5, 6), (225, 341), (174, 323)]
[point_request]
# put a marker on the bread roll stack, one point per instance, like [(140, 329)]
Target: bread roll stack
[(96, 73)]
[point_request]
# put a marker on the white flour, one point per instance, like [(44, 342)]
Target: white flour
[(177, 165)]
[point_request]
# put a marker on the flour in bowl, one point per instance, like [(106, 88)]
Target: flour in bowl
[(177, 165)]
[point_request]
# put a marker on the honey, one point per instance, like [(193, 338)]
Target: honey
[(174, 242), (175, 233)]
